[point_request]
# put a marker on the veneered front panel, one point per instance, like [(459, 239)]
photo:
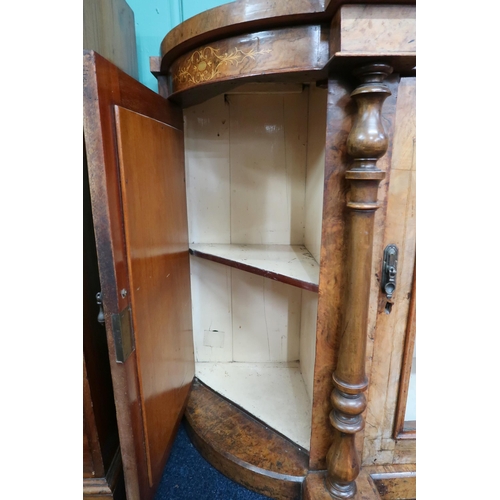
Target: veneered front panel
[(154, 198)]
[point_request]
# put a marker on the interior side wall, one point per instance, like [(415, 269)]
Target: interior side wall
[(309, 315), (246, 168), (315, 172), (241, 317), (315, 169)]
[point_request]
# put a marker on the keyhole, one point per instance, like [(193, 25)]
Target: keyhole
[(388, 308)]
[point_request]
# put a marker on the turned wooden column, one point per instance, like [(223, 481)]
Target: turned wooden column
[(366, 143)]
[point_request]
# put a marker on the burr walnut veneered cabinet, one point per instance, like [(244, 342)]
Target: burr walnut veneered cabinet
[(255, 234)]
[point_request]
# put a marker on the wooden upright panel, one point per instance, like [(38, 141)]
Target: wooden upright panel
[(109, 29), (135, 154)]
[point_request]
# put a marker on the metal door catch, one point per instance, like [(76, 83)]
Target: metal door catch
[(389, 270)]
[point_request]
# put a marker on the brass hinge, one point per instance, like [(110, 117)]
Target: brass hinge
[(122, 334)]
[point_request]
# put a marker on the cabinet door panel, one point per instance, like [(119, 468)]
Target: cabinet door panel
[(135, 153), (151, 157)]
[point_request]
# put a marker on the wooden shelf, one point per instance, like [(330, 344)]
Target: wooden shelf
[(291, 264), (275, 393)]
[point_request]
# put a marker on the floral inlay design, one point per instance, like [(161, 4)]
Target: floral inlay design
[(205, 64)]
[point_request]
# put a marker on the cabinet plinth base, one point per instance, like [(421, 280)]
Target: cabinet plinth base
[(243, 448)]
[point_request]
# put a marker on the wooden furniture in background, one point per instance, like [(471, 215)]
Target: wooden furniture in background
[(275, 157), (109, 29)]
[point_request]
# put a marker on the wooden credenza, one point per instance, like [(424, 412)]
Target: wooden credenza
[(240, 220)]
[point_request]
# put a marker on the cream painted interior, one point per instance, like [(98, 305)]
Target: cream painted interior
[(254, 176)]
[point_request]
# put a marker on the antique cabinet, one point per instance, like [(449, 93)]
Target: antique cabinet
[(241, 217)]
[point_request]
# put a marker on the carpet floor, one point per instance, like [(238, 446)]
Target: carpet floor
[(188, 476)]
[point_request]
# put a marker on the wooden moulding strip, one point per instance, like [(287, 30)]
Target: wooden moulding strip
[(251, 55)]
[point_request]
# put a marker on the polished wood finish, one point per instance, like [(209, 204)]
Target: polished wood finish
[(315, 487), (247, 16), (251, 57), (158, 263), (366, 143), (341, 111), (247, 41), (243, 448), (355, 27), (109, 29), (105, 86)]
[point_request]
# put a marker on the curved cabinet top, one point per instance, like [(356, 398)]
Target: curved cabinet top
[(245, 40)]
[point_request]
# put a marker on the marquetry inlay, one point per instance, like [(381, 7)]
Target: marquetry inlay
[(206, 64)]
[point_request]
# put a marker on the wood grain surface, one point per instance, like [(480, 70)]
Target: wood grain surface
[(246, 16), (315, 487), (340, 113), (257, 54), (367, 142), (376, 29), (242, 448), (155, 220), (109, 29)]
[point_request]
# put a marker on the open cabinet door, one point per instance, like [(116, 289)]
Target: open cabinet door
[(135, 154)]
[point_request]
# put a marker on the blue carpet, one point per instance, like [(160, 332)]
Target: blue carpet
[(188, 476)]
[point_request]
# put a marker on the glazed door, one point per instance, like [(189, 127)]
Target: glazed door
[(135, 152)]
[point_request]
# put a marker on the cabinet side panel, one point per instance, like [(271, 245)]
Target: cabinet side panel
[(207, 171), (295, 128), (315, 169), (331, 280)]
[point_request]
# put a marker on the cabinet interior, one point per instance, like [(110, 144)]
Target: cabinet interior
[(254, 180)]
